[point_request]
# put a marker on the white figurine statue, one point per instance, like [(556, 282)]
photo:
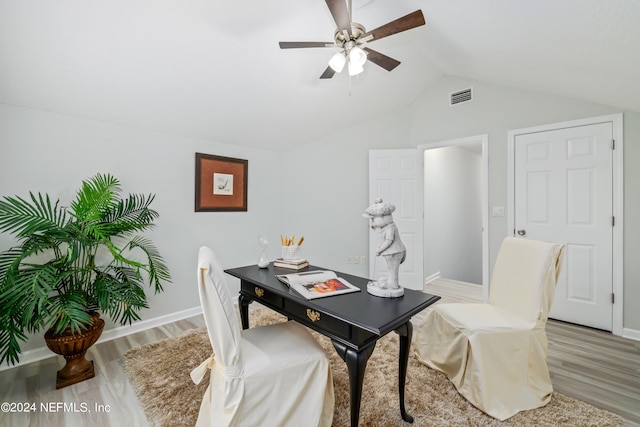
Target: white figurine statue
[(390, 247)]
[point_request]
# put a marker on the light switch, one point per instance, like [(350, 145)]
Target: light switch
[(498, 211)]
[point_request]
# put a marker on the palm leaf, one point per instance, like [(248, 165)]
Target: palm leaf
[(158, 270), (27, 292), (121, 294), (134, 211), (8, 259), (96, 195), (126, 217), (27, 218), (10, 337), (71, 311)]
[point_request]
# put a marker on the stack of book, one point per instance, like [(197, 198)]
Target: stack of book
[(292, 264)]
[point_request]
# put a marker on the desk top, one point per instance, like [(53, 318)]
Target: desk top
[(375, 314)]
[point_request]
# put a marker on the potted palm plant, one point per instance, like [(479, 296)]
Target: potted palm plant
[(72, 263)]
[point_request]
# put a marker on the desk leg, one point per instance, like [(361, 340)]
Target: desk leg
[(405, 332), (356, 364), (244, 302)]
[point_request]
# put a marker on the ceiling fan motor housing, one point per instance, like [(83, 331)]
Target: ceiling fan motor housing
[(342, 36)]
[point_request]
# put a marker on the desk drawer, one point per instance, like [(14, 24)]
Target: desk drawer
[(261, 294), (314, 319)]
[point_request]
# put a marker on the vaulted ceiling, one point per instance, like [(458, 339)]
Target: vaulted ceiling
[(212, 69)]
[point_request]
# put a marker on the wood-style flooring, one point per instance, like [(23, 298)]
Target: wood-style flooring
[(586, 364), (108, 400)]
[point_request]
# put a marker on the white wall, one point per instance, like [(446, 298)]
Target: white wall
[(319, 190), (496, 110), (453, 214), (52, 153), (329, 188)]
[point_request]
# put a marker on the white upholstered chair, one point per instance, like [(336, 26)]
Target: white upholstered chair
[(274, 375), (496, 353)]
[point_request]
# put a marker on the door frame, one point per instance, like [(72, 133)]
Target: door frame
[(484, 141), (618, 198)]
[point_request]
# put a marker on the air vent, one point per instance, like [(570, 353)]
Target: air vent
[(460, 97)]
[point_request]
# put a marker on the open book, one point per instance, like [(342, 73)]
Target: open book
[(317, 283)]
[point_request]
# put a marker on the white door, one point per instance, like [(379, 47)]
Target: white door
[(396, 177), (563, 193)]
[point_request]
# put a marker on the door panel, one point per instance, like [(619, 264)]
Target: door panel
[(563, 193), (396, 177)]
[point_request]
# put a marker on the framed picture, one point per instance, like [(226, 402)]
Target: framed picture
[(221, 183)]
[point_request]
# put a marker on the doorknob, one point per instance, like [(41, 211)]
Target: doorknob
[(522, 232)]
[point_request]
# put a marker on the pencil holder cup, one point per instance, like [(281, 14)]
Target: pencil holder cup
[(291, 253)]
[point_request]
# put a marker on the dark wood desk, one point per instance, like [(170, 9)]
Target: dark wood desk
[(354, 322)]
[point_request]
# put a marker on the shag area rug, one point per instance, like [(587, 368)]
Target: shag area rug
[(159, 373)]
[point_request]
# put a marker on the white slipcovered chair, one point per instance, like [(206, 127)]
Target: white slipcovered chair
[(274, 375), (496, 353)]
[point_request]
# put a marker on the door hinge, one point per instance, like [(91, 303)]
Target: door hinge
[(613, 221), (613, 144), (613, 298)]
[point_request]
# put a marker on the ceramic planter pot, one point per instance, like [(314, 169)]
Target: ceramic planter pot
[(74, 347)]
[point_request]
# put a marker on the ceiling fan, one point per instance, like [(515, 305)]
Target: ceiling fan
[(350, 37)]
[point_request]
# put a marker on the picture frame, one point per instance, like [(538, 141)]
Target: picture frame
[(220, 183)]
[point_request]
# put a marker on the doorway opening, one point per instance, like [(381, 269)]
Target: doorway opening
[(455, 211)]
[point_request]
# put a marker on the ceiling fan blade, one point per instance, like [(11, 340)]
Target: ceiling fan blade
[(382, 60), (328, 73), (407, 22), (298, 45), (340, 13)]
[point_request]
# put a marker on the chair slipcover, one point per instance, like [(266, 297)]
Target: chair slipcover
[(274, 375), (495, 353)]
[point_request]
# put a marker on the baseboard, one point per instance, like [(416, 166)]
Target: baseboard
[(431, 278), (41, 353), (122, 331), (632, 334)]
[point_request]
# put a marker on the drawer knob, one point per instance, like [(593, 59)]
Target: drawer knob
[(314, 316), (259, 291)]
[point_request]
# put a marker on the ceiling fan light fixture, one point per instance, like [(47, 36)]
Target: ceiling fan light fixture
[(337, 62), (357, 56), (355, 69)]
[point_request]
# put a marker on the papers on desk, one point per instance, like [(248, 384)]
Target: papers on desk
[(317, 283)]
